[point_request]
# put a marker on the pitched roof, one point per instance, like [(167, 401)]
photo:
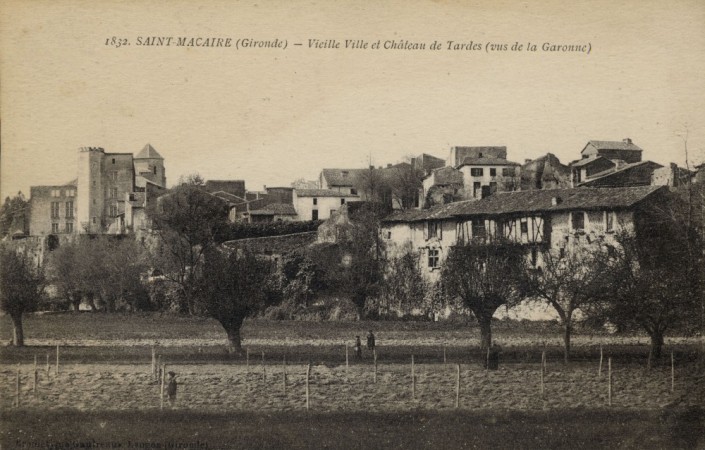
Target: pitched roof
[(321, 193), (586, 161), (447, 175), (486, 161), (614, 145), (616, 171), (342, 177), (148, 152), (278, 209), (533, 201)]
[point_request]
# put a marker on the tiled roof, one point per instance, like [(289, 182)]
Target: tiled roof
[(342, 177), (614, 145), (278, 209), (533, 201), (586, 161), (321, 193), (447, 175), (148, 152), (487, 162), (610, 172)]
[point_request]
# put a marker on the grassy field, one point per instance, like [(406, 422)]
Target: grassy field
[(105, 392)]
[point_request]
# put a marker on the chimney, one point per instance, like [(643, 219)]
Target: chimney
[(372, 167), (627, 141), (556, 201), (389, 166), (527, 160)]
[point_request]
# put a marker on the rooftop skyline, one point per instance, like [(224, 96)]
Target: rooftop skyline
[(270, 116)]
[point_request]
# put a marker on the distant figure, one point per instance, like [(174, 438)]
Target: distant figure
[(371, 341), (358, 347), (171, 389)]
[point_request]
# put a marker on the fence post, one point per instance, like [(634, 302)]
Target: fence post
[(48, 364), (161, 391), (609, 382), (673, 373), (413, 378), (599, 371), (247, 358), (18, 386), (543, 370), (347, 359), (284, 374), (374, 356), (487, 360), (154, 362), (308, 374), (57, 360), (457, 385), (264, 370), (444, 353)]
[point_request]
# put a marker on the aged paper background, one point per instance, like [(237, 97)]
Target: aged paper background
[(271, 115)]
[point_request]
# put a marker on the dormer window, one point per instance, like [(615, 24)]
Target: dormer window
[(344, 173)]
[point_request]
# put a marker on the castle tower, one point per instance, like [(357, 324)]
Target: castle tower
[(89, 201), (150, 165)]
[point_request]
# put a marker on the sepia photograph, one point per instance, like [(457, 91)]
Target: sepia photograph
[(352, 224)]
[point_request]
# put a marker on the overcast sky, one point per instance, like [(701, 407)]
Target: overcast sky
[(270, 116)]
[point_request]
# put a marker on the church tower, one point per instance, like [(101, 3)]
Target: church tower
[(150, 165)]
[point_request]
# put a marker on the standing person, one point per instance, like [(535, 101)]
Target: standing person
[(358, 347), (171, 389), (371, 341)]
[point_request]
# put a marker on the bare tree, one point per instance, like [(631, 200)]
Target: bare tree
[(229, 289), (485, 276), (21, 287), (568, 282)]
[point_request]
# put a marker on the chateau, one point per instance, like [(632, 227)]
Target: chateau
[(108, 196)]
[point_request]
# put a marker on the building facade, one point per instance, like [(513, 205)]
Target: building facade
[(110, 187)]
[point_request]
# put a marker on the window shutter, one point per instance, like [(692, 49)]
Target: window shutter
[(440, 230), (425, 230)]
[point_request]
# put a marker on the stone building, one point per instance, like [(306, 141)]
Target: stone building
[(109, 194)]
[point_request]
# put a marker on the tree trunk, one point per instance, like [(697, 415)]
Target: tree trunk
[(75, 300), (567, 330), (232, 328), (656, 344), (91, 301), (17, 332), (485, 331)]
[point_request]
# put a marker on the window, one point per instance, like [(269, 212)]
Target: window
[(113, 192), (478, 229), (577, 220), (609, 221), (69, 210), (315, 201), (433, 229), (55, 210), (54, 227), (493, 187), (342, 201), (476, 172), (344, 173), (94, 220), (69, 227), (113, 160), (476, 188), (353, 191), (71, 193), (389, 234), (493, 172), (155, 170), (561, 253), (56, 192), (113, 210), (508, 172), (113, 176), (524, 226), (433, 258), (534, 256), (314, 214)]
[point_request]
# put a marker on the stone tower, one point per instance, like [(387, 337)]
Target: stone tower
[(90, 190), (150, 165)]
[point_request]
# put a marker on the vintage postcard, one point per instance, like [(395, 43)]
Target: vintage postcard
[(352, 224)]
